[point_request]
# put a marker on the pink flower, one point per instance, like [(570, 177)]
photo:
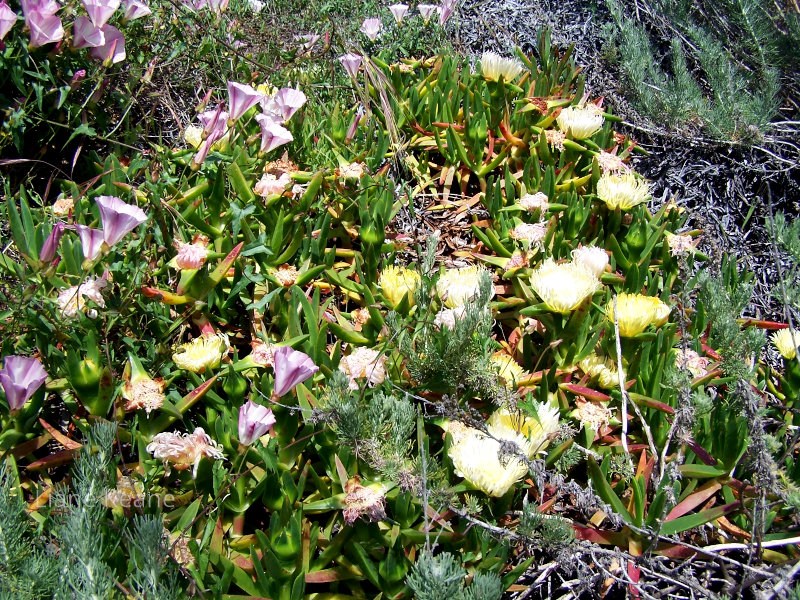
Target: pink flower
[(7, 19), (217, 6), (254, 421), (446, 11), (86, 35), (307, 41), (199, 158), (191, 256), (21, 377), (371, 28), (118, 218), (135, 9), (113, 50), (100, 11), (269, 184), (45, 29), (241, 98), (50, 246), (288, 101), (43, 7), (213, 120), (398, 12), (426, 11), (291, 367), (91, 241), (272, 134), (351, 63), (184, 450)]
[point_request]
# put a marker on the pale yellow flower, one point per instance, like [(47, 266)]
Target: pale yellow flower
[(494, 66), (562, 287), (786, 342), (636, 312), (202, 353), (193, 136), (144, 392), (532, 434), (397, 283), (457, 286), (593, 258), (603, 369), (611, 163), (623, 191), (507, 368), (582, 121)]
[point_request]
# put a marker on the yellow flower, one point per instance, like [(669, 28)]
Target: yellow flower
[(494, 66), (144, 392), (582, 121), (204, 352), (397, 282), (603, 369), (786, 342), (637, 312), (193, 135), (562, 287), (530, 433), (622, 191), (456, 286), (507, 368)]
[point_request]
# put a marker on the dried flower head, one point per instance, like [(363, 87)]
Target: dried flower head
[(508, 370), (592, 414), (534, 202), (787, 342), (63, 205), (636, 312), (582, 121), (184, 450), (533, 233), (351, 171), (494, 66), (129, 492), (555, 138), (457, 286), (364, 363), (593, 258), (397, 283), (191, 256), (73, 300), (143, 392), (270, 184), (286, 274), (563, 287), (690, 360), (622, 191), (611, 163), (263, 355), (202, 353), (366, 502), (680, 245)]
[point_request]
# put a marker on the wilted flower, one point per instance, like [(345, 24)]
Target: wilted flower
[(534, 202), (269, 184), (494, 66), (20, 378), (263, 355), (254, 421), (241, 98), (141, 391), (184, 450), (690, 360), (680, 245), (507, 368), (307, 41), (426, 11), (202, 353), (112, 50), (563, 287), (447, 317), (135, 9), (191, 256), (593, 258), (63, 205), (622, 191), (398, 283), (273, 134), (286, 274), (353, 170), (291, 368), (531, 433), (582, 121), (457, 286), (533, 233), (71, 300), (787, 342), (371, 28), (351, 63), (636, 312), (366, 502), (555, 138), (591, 414), (364, 363), (118, 218), (398, 12), (611, 163), (7, 19), (129, 492)]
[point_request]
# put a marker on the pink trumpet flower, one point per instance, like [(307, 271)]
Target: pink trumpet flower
[(100, 11), (371, 28), (21, 377), (254, 421), (50, 246), (91, 241), (45, 29), (113, 50), (446, 10), (213, 120), (217, 6), (291, 368), (426, 11), (7, 19), (351, 63), (288, 101), (199, 158), (86, 35), (307, 41), (43, 7), (272, 133), (118, 218), (398, 12), (241, 98), (135, 9)]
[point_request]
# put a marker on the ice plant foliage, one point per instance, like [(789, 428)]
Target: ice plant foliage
[(20, 378), (255, 421), (563, 287)]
